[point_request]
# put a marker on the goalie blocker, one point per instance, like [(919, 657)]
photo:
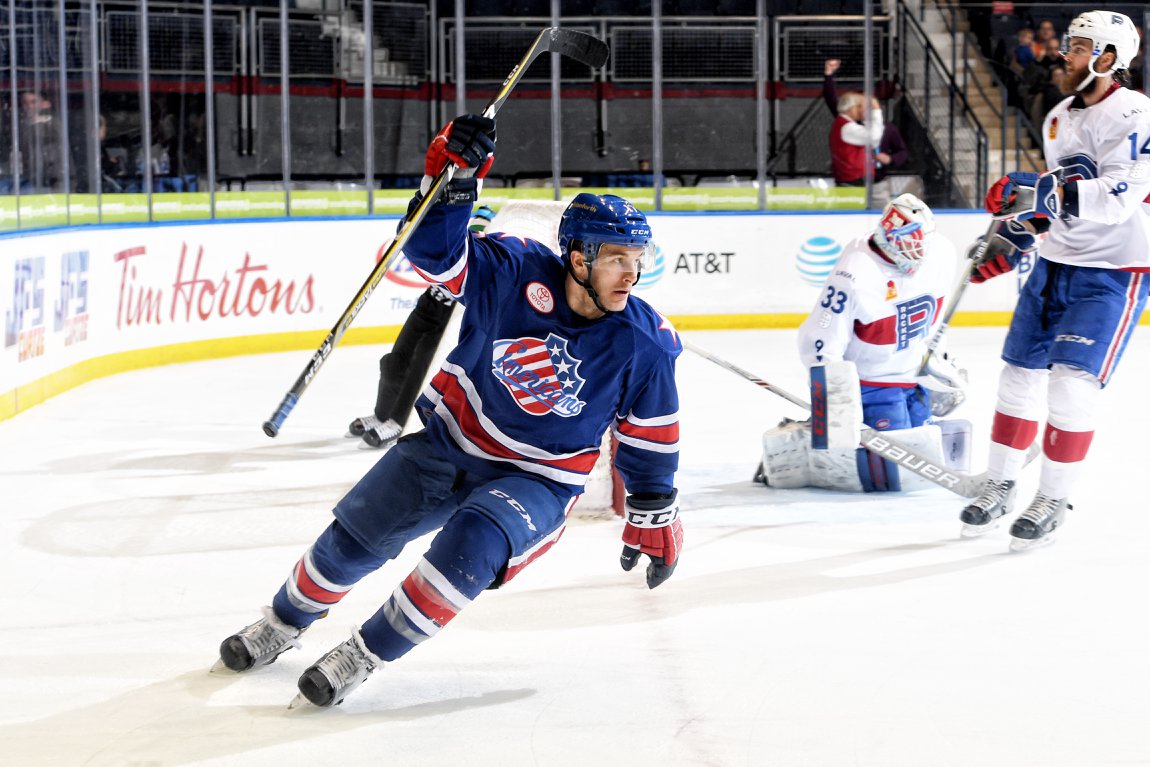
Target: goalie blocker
[(825, 452)]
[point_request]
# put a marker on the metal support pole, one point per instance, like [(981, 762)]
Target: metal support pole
[(657, 100), (369, 103), (62, 89), (15, 96), (868, 96), (146, 102), (210, 106), (556, 113), (95, 164), (285, 104), (460, 62), (761, 100)]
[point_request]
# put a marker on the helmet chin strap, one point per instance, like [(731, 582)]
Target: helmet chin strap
[(586, 285)]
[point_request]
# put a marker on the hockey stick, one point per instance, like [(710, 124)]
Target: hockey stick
[(879, 443), (963, 283), (579, 46)]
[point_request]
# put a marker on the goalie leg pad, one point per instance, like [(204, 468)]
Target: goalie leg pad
[(925, 441), (837, 410), (956, 435), (876, 474), (785, 449)]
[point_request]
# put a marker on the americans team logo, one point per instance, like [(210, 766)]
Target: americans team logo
[(540, 374)]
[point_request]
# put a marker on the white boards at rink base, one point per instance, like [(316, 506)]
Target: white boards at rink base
[(84, 302)]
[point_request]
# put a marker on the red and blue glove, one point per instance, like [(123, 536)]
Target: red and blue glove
[(468, 142), (653, 528), (1011, 241), (1025, 195)]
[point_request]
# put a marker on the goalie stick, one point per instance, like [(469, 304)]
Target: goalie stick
[(963, 283), (879, 443), (580, 46)]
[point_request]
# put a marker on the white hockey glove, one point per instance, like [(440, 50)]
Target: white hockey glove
[(653, 528), (946, 382)]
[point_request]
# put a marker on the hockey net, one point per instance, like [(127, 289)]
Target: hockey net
[(539, 221)]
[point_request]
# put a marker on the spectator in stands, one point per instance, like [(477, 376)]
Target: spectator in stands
[(854, 140), (112, 170), (1049, 96), (1038, 75), (1046, 33), (39, 144), (1023, 54), (892, 150), (1135, 72)]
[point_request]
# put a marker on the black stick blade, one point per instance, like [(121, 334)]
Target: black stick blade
[(580, 46)]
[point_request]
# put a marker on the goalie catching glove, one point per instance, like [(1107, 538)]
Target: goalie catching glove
[(1012, 241), (1023, 196), (946, 382), (653, 528), (468, 141)]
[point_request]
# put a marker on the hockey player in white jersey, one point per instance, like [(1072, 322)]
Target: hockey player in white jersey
[(1077, 310), (865, 341)]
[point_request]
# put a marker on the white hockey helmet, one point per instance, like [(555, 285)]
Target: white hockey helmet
[(903, 233), (1104, 28)]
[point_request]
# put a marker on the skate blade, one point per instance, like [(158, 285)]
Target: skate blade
[(977, 531), (219, 668), (1020, 545), (365, 445), (299, 701)]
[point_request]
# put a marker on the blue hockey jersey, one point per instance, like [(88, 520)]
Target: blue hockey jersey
[(532, 386)]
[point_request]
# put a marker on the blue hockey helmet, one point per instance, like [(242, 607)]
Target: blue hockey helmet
[(592, 220)]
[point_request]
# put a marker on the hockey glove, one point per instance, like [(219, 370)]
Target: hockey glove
[(468, 142), (946, 382), (1025, 195), (653, 528), (1012, 241)]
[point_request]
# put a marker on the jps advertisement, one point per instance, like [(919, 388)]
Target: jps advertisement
[(75, 295)]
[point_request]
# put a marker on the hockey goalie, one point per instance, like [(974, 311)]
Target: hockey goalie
[(864, 344)]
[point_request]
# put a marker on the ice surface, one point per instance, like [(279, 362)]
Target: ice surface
[(146, 516)]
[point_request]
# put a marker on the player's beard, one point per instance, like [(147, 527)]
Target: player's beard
[(1070, 83)]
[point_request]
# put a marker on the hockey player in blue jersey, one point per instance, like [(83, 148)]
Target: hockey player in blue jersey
[(553, 351), (1081, 302)]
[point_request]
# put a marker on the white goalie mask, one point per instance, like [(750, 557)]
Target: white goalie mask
[(904, 231), (1104, 28)]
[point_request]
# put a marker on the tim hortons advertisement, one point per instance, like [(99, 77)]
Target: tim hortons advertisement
[(73, 295), (78, 294)]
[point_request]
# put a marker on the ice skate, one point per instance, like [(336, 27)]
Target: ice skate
[(373, 432), (258, 644), (983, 513), (331, 678), (1035, 527)]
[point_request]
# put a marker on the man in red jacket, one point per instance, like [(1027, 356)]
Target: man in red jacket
[(853, 139)]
